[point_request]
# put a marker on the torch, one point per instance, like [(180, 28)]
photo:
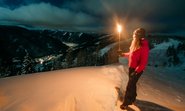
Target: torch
[(119, 29)]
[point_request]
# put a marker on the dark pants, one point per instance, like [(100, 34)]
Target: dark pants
[(131, 91)]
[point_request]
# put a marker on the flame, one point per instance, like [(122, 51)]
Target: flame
[(119, 28)]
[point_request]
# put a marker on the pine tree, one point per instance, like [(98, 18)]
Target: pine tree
[(69, 58), (176, 59), (27, 64), (81, 57)]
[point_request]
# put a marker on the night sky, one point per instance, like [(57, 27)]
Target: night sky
[(165, 16)]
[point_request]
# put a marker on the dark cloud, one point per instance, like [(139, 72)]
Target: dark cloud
[(154, 15), (45, 14)]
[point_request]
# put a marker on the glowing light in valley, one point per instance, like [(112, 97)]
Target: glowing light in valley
[(41, 61)]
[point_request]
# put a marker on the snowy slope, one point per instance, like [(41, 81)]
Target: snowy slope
[(91, 89), (78, 89), (164, 87), (158, 55)]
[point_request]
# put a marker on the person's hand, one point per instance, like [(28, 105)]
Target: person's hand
[(119, 53), (133, 73)]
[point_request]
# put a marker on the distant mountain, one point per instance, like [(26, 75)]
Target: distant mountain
[(27, 51), (24, 51)]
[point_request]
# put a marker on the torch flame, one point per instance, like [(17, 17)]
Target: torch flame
[(119, 28)]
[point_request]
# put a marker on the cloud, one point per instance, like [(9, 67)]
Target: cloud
[(154, 15), (47, 15)]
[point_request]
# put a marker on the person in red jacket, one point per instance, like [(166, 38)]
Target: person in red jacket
[(137, 57)]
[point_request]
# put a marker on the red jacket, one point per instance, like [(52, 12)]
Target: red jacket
[(139, 58)]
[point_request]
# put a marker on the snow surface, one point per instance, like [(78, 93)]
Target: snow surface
[(77, 89), (70, 44), (92, 89)]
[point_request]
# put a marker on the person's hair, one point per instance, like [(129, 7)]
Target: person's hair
[(136, 42)]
